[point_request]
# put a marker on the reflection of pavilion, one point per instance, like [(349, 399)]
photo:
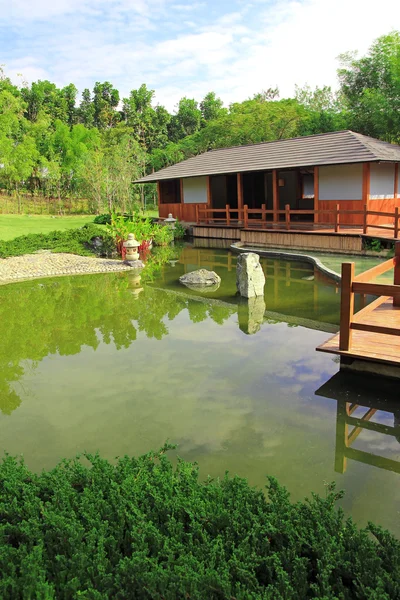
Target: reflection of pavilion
[(374, 395)]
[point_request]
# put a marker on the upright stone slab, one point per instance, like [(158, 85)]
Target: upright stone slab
[(250, 279)]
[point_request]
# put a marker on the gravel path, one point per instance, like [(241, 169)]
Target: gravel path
[(46, 264)]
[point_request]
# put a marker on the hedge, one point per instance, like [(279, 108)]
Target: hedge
[(143, 528), (75, 241)]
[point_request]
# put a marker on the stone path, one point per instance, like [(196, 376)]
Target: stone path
[(46, 264)]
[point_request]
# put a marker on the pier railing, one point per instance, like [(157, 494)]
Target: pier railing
[(288, 218), (364, 320)]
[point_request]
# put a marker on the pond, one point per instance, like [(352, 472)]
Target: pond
[(107, 363)]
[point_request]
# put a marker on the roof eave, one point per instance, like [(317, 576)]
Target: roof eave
[(252, 170)]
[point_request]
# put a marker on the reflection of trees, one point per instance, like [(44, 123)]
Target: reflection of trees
[(198, 311), (62, 316)]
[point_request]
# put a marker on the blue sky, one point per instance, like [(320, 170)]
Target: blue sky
[(182, 48)]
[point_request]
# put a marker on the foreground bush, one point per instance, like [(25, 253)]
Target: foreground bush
[(75, 241), (144, 529)]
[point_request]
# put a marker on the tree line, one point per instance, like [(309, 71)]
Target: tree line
[(53, 144)]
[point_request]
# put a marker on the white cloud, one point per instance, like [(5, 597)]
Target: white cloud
[(236, 50)]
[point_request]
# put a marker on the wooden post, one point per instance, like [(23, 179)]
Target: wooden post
[(316, 193), (365, 221), (197, 214), (239, 177), (263, 214), (287, 216), (396, 222), (396, 279), (396, 181), (159, 193), (209, 197), (346, 306), (181, 191), (246, 216), (275, 196), (337, 208), (228, 214), (209, 194)]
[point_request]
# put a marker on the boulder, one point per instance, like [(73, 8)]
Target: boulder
[(200, 280), (250, 279)]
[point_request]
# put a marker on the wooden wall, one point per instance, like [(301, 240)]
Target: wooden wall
[(383, 205), (343, 205), (305, 241), (183, 212)]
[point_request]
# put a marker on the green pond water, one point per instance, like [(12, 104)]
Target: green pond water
[(108, 363)]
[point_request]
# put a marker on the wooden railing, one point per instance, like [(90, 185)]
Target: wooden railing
[(362, 284), (246, 217)]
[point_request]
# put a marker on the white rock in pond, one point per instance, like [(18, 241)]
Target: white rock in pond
[(250, 279), (200, 278)]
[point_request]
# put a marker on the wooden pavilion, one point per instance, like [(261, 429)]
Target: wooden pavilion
[(311, 178)]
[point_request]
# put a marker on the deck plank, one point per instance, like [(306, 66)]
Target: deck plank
[(378, 347)]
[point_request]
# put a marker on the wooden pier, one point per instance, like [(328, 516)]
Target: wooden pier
[(370, 339)]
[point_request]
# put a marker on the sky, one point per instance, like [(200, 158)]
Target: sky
[(179, 48)]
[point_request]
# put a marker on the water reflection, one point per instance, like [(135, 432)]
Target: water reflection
[(375, 413), (64, 315), (251, 314), (86, 363)]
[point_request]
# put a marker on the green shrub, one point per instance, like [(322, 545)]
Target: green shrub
[(75, 241), (162, 235), (144, 529), (104, 219), (179, 231)]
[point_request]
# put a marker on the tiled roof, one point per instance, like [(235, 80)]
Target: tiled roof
[(340, 147)]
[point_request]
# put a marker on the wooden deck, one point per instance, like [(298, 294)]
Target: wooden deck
[(370, 337), (369, 345)]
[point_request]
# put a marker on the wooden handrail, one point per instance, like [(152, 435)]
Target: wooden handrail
[(376, 271), (362, 285), (335, 213)]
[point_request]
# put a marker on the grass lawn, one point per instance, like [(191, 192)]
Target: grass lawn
[(12, 226)]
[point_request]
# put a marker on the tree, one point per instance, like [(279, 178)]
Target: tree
[(324, 110), (371, 88), (186, 121), (267, 95), (65, 155), (211, 107), (6, 84), (148, 124), (18, 151), (110, 170), (105, 101), (45, 96), (86, 109)]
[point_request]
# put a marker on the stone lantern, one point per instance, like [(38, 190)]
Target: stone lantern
[(170, 221), (131, 246)]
